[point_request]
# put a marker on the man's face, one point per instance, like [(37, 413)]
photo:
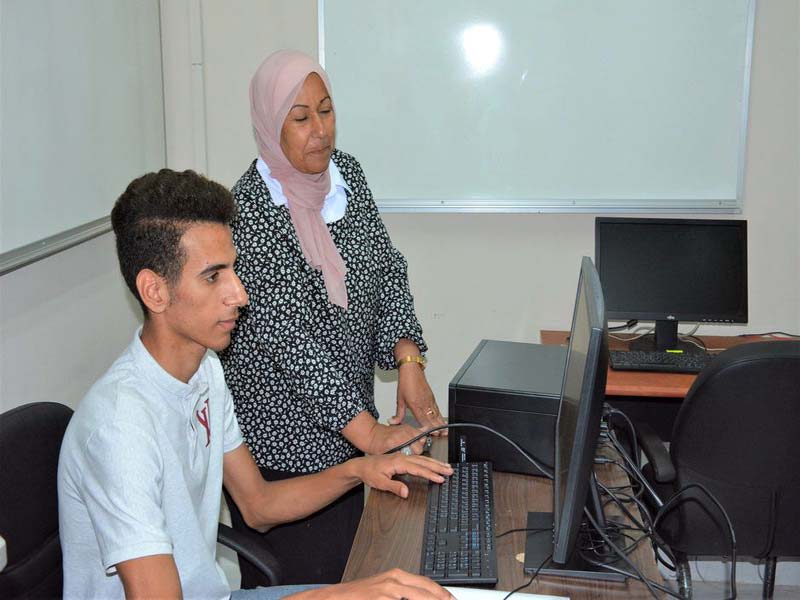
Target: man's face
[(204, 303)]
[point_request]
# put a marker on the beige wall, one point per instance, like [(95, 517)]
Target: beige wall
[(64, 319), (507, 276), (62, 322), (497, 276)]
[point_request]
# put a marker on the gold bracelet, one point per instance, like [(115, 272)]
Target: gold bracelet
[(418, 358)]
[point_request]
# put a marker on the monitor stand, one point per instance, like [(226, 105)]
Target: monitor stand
[(665, 339), (539, 545)]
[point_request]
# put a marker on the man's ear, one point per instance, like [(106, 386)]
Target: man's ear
[(153, 290)]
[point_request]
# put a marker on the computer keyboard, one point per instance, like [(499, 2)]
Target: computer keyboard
[(655, 360), (458, 546)]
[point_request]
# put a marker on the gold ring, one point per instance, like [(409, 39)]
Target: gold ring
[(430, 412)]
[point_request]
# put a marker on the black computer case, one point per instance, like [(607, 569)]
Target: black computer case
[(514, 388)]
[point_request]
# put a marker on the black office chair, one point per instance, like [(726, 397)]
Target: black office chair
[(738, 434), (30, 440)]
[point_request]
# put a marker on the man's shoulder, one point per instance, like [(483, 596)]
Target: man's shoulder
[(120, 395), (211, 367)]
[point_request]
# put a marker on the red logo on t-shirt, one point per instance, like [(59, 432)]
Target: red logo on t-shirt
[(202, 416)]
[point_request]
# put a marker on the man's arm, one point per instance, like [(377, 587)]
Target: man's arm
[(389, 585), (264, 504), (150, 577)]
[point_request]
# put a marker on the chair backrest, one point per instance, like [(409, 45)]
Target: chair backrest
[(738, 434), (30, 440)]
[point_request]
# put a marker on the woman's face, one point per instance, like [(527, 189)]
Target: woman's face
[(309, 131)]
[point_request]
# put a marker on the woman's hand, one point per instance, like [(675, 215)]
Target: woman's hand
[(369, 436), (377, 471), (413, 392)]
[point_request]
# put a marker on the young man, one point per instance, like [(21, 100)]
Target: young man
[(147, 452)]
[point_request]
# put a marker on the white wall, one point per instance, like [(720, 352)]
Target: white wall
[(507, 276), (64, 319), (473, 276), (62, 322)]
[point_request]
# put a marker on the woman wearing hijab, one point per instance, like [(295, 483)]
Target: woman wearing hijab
[(329, 300)]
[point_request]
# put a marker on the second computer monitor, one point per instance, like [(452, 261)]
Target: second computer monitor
[(671, 270)]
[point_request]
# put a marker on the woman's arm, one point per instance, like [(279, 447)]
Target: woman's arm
[(399, 332), (413, 391), (369, 436)]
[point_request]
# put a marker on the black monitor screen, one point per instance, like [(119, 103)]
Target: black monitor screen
[(578, 426), (673, 269)]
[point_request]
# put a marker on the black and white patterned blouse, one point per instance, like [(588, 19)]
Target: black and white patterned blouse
[(299, 367)]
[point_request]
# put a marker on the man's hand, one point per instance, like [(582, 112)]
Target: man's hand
[(394, 585), (413, 392), (377, 471)]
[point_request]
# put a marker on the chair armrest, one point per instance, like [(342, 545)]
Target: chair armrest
[(656, 453), (253, 549)]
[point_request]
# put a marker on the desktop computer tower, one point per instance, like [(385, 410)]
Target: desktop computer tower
[(514, 388)]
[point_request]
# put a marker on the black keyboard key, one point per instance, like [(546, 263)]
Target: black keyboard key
[(653, 360), (458, 543)]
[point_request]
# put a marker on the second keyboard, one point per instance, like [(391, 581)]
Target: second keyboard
[(653, 360)]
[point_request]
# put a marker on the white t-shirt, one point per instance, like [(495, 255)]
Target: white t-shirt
[(140, 473)]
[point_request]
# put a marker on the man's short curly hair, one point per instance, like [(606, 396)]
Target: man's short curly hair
[(153, 213)]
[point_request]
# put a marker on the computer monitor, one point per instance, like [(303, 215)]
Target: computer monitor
[(577, 432), (671, 270)]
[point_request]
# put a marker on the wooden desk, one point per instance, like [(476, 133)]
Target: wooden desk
[(649, 397), (645, 383), (390, 535)]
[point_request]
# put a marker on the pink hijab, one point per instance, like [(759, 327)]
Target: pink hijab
[(273, 89)]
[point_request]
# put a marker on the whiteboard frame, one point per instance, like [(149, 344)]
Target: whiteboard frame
[(577, 205), (16, 258)]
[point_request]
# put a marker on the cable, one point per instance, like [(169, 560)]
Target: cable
[(695, 341), (529, 529), (621, 554), (610, 410), (648, 530), (672, 502), (624, 508), (769, 334), (628, 325), (693, 330), (639, 475), (665, 507), (648, 582), (647, 331), (547, 470), (530, 581)]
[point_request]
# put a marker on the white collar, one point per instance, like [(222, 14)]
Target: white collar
[(335, 204)]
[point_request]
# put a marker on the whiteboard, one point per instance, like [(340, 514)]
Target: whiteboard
[(543, 104), (81, 111)]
